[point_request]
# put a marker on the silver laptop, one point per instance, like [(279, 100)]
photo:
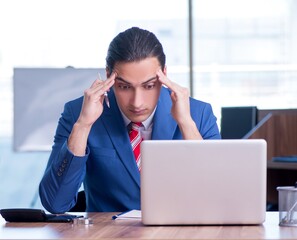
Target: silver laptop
[(209, 182)]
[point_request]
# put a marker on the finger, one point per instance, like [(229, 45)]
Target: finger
[(111, 80), (166, 81), (95, 83), (95, 92), (99, 90), (103, 85), (113, 75)]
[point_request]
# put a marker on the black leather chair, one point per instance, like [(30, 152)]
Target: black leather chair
[(80, 205), (236, 122)]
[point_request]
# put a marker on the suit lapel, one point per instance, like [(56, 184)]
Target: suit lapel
[(114, 124)]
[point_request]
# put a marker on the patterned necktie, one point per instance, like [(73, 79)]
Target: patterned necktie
[(135, 140)]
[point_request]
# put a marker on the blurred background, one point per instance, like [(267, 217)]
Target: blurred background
[(227, 52)]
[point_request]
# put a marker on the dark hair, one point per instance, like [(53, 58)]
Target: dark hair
[(132, 45)]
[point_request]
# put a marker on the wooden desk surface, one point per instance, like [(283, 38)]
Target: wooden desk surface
[(103, 228)]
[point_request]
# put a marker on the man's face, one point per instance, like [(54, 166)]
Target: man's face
[(137, 88)]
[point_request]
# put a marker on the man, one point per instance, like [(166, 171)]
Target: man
[(92, 142)]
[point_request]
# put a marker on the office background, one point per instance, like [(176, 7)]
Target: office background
[(244, 53)]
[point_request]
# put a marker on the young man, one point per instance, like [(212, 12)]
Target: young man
[(92, 144)]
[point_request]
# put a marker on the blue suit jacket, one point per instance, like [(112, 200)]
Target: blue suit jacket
[(108, 170)]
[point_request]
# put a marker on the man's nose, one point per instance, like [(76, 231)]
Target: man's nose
[(137, 98)]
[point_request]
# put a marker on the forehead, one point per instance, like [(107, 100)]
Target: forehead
[(138, 71)]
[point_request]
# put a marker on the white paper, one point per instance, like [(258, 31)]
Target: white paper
[(133, 214)]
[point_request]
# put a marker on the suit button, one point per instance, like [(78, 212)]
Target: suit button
[(59, 174), (65, 161)]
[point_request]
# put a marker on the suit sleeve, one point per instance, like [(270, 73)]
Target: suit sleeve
[(65, 172), (206, 121)]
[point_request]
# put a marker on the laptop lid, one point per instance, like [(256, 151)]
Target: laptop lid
[(203, 182)]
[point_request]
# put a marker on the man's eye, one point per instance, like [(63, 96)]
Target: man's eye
[(149, 86), (123, 87)]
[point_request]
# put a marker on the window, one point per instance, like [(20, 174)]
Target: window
[(55, 33), (61, 33), (245, 53)]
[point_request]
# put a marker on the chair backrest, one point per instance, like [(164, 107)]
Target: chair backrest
[(236, 122), (80, 205)]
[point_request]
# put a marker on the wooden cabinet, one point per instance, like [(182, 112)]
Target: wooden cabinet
[(279, 129)]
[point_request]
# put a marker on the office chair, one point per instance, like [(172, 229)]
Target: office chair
[(236, 122), (80, 205)]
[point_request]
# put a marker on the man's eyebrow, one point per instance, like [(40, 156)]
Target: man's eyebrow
[(151, 79), (123, 80), (127, 82)]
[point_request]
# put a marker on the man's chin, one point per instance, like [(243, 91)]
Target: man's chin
[(138, 118)]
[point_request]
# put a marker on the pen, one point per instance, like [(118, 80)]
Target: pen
[(130, 214), (118, 215), (105, 94)]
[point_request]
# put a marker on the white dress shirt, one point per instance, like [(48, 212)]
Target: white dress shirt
[(146, 128)]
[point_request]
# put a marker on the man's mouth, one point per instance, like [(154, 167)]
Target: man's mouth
[(137, 111)]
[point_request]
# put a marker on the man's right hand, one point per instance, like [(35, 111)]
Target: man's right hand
[(91, 110), (92, 107)]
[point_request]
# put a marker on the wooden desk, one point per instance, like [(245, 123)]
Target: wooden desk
[(105, 228)]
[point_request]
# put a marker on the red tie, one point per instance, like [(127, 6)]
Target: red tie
[(135, 140)]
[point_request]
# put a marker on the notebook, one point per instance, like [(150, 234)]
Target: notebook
[(209, 182)]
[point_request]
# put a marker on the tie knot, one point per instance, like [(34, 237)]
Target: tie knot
[(136, 125)]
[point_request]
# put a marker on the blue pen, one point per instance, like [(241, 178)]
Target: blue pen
[(105, 94), (116, 216)]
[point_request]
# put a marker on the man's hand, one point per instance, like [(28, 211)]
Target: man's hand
[(180, 107), (92, 107)]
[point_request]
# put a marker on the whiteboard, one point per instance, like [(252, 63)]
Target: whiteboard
[(39, 98)]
